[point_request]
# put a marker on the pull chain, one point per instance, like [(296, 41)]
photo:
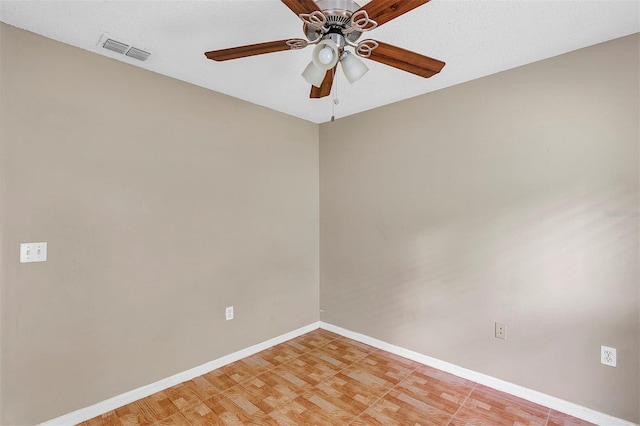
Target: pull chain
[(335, 97)]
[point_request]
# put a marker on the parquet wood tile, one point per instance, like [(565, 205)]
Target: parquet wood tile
[(341, 353), (202, 388), (257, 364), (560, 419), (221, 380), (106, 419), (509, 400), (134, 414), (238, 407), (296, 414), (362, 387), (202, 415), (293, 378), (311, 369), (388, 367), (311, 409), (269, 388), (325, 379), (300, 347), (437, 389), (284, 381), (177, 419), (247, 402), (159, 405), (362, 346), (487, 406), (281, 353), (326, 395), (240, 371), (277, 418), (313, 340), (182, 396), (396, 408), (338, 411)]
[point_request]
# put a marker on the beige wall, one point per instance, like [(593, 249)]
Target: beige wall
[(161, 203), (487, 202)]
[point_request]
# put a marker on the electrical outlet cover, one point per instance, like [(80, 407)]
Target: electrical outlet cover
[(608, 356), (501, 331)]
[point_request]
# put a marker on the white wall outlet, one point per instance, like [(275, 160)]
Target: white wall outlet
[(501, 331), (33, 252), (228, 312), (608, 356)]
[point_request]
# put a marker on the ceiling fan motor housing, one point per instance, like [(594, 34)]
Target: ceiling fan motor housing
[(338, 14)]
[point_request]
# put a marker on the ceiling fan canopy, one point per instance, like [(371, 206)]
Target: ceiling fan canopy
[(334, 25), (338, 14)]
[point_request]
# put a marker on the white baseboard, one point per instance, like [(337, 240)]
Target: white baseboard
[(557, 404), (92, 411)]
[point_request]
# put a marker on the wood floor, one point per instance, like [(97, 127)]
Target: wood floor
[(322, 378)]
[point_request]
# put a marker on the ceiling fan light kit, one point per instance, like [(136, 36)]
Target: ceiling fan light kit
[(334, 25), (313, 74), (325, 54), (352, 67)]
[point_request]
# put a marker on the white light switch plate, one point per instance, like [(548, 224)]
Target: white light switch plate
[(33, 252)]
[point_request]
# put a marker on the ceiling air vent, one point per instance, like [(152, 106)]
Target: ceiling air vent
[(138, 54), (116, 46), (123, 48)]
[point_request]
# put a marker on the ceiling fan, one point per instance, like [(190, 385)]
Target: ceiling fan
[(334, 25)]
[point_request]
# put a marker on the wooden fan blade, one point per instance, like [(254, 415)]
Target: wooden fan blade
[(249, 50), (406, 60), (382, 11), (301, 6), (325, 87)]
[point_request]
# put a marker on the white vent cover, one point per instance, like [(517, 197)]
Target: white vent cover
[(123, 48), (140, 54), (116, 46)]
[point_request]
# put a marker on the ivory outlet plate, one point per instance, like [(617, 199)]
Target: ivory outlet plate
[(501, 331)]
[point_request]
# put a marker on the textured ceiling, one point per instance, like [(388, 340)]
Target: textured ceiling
[(475, 38)]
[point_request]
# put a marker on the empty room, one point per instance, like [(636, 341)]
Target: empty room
[(331, 212)]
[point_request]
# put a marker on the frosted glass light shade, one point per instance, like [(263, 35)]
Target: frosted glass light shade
[(325, 54), (313, 74), (353, 68)]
